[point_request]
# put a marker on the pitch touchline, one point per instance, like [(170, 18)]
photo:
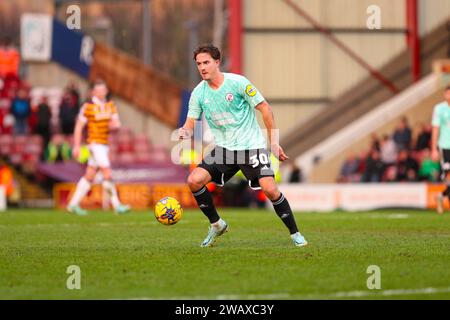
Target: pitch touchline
[(345, 294), (100, 224)]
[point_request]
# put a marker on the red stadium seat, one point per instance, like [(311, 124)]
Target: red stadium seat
[(144, 157), (125, 147), (126, 158), (32, 148), (21, 139), (37, 140), (142, 138), (159, 156), (15, 159), (6, 139), (142, 147)]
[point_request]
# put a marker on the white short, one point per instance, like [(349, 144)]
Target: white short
[(99, 156)]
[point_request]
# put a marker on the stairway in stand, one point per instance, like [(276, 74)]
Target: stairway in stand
[(31, 194)]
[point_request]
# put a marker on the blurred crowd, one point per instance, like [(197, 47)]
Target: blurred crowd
[(403, 156), (19, 116)]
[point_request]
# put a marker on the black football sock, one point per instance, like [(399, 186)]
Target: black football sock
[(446, 192), (205, 203), (283, 210)]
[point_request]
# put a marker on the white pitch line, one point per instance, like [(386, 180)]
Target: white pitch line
[(388, 293), (345, 294), (100, 224)]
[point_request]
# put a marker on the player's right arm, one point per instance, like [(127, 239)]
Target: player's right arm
[(185, 131)]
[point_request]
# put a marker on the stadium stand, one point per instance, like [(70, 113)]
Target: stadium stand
[(416, 102), (23, 152), (364, 96), (395, 163)]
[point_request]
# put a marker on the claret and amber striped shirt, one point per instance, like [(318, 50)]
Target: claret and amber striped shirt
[(97, 115)]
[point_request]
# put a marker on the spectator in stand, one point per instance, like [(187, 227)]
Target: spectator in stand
[(21, 109), (68, 112), (429, 170), (7, 124), (44, 116), (373, 168), (375, 143), (73, 90), (407, 167), (390, 174), (9, 58), (402, 135), (424, 138), (58, 150), (349, 169), (362, 163), (388, 152), (295, 175)]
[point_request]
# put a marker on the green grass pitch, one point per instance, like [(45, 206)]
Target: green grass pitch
[(134, 257)]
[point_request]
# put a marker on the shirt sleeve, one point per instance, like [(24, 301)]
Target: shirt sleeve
[(250, 93), (195, 109), (82, 114), (436, 117)]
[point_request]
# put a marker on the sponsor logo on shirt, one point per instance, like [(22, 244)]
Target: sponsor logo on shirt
[(250, 90)]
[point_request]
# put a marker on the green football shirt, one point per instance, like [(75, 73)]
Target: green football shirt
[(441, 119), (229, 111)]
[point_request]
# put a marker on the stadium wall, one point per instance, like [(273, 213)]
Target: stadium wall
[(360, 197), (2, 199), (301, 71), (306, 71)]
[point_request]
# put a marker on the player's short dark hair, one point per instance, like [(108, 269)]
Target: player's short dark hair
[(213, 51), (447, 88), (98, 82)]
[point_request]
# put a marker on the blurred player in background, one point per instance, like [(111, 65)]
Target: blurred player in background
[(228, 102), (100, 115), (440, 145)]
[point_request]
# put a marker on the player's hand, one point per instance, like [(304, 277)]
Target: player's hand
[(278, 151), (76, 152), (183, 134), (435, 155), (114, 125)]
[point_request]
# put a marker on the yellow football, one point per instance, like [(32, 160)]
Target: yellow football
[(168, 211)]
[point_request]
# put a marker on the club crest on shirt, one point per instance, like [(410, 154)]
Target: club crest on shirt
[(229, 97), (250, 90)]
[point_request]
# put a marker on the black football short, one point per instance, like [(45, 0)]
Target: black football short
[(445, 163), (223, 164)]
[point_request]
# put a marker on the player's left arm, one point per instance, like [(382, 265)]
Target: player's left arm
[(269, 122)]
